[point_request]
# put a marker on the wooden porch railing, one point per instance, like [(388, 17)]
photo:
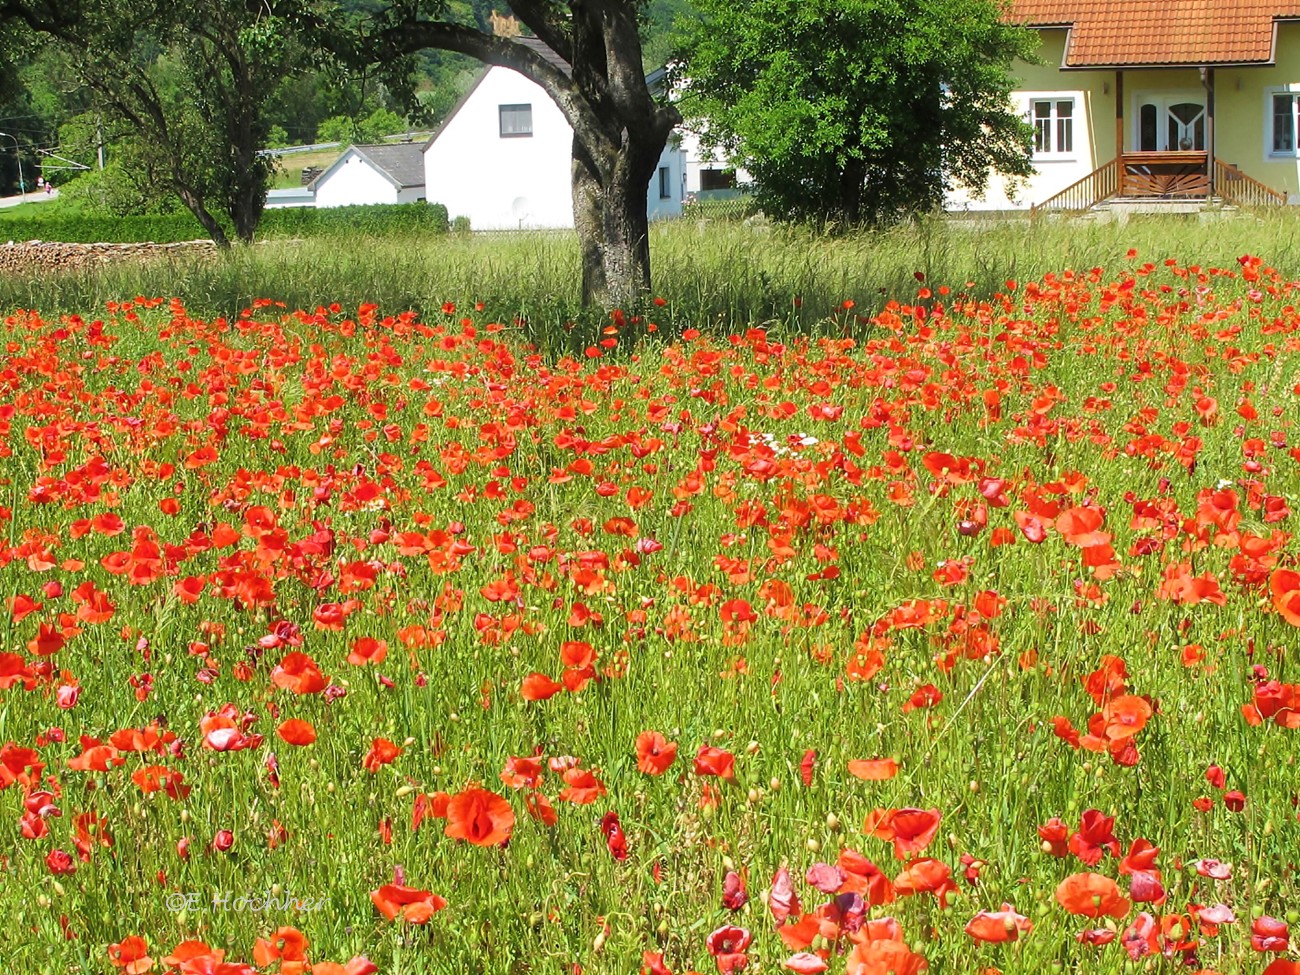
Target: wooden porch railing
[(1100, 184), (1234, 186), (1173, 175)]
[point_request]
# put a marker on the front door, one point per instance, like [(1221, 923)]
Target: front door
[(1171, 121)]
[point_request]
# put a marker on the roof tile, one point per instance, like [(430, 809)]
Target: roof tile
[(1119, 33)]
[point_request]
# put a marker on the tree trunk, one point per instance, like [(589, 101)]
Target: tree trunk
[(589, 222), (246, 211), (195, 205), (609, 214), (613, 234)]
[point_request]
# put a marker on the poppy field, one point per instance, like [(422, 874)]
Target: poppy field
[(953, 637)]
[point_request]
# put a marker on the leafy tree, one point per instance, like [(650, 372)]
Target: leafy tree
[(192, 78), (857, 111), (369, 130), (620, 126)]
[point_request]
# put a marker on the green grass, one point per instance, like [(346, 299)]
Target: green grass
[(719, 275), (676, 504)]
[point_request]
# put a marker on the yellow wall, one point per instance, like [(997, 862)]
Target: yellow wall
[(1242, 109), (1094, 129)]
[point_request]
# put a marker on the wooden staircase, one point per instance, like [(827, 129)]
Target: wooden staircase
[(1155, 177)]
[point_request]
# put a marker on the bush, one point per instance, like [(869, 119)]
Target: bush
[(365, 221)]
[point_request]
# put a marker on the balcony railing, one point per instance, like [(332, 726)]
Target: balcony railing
[(1100, 184), (1174, 176), (1182, 175), (1236, 187)]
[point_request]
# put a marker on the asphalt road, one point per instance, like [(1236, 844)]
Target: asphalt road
[(38, 196)]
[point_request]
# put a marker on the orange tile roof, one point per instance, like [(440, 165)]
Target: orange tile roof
[(1120, 33)]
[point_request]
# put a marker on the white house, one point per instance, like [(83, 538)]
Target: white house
[(503, 157), (388, 173), (293, 196), (706, 171)]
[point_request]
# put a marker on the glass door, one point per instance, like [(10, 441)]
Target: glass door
[(1171, 122)]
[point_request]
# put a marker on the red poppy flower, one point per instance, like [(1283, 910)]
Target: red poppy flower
[(1095, 835), (131, 955), (910, 830), (1269, 934), (884, 957), (1091, 895), (296, 731), (654, 753), (480, 817), (382, 752), (521, 773), (715, 761), (1284, 584), (539, 687), (782, 899), (288, 946), (727, 945), (368, 650), (873, 769), (581, 787), (298, 673), (926, 876), (416, 906), (999, 926)]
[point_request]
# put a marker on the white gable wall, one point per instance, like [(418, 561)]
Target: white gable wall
[(503, 183), (354, 182), (519, 182)]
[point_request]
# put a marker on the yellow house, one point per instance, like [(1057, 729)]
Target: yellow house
[(1180, 100)]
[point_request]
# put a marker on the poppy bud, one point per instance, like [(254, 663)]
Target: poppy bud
[(223, 841)]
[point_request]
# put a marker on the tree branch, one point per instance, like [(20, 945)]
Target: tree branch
[(500, 51), (542, 19)]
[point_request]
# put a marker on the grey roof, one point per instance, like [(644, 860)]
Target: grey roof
[(401, 163), (400, 160), (539, 46)]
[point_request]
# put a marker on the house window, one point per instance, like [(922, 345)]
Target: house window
[(1053, 120), (717, 179), (665, 183), (516, 121), (1283, 124)]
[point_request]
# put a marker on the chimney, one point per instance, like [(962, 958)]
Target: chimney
[(503, 26)]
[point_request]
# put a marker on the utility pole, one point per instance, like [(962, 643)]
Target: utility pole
[(22, 187)]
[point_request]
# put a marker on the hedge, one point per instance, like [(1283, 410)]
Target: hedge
[(374, 221)]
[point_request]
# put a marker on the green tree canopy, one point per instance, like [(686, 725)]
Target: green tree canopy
[(192, 79), (857, 111)]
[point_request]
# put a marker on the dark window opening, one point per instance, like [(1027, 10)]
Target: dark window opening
[(516, 121), (717, 179)]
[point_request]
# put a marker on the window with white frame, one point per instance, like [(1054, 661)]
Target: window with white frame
[(516, 121), (1053, 121), (1282, 123)]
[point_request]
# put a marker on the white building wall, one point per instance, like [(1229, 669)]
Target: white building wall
[(658, 206), (697, 158), (1052, 172), (501, 183), (354, 182), (519, 182)]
